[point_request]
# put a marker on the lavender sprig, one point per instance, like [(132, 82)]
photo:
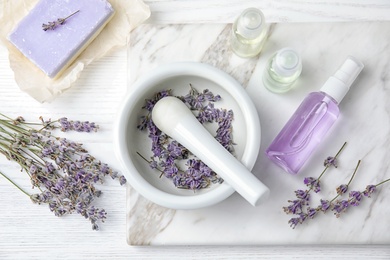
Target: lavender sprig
[(59, 21), (301, 207), (62, 171), (354, 199), (303, 196), (325, 205), (167, 154)]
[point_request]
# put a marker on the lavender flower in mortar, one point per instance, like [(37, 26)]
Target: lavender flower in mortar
[(167, 154)]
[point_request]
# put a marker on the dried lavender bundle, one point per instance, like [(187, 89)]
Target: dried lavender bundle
[(168, 153), (62, 171)]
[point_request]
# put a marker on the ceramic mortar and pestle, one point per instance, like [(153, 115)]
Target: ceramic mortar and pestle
[(130, 142), (176, 120)]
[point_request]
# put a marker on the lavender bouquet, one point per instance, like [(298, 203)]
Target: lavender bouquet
[(63, 174)]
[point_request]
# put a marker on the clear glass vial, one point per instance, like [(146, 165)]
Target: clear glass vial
[(282, 70), (249, 33)]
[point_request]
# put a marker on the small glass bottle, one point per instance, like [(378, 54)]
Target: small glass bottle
[(282, 70), (249, 33), (312, 120)]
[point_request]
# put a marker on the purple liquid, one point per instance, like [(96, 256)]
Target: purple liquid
[(303, 132)]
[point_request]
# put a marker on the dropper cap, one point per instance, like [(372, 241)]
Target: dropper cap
[(250, 23), (338, 85)]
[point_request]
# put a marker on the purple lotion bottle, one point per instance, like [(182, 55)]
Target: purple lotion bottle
[(311, 121)]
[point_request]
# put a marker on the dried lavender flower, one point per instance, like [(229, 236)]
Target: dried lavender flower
[(340, 206), (354, 198), (313, 184), (62, 171), (343, 188), (78, 126), (370, 189), (59, 21), (325, 205), (331, 161), (167, 153)]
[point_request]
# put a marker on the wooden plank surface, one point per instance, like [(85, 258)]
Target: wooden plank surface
[(29, 231)]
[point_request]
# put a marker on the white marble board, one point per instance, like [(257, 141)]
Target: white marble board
[(364, 124)]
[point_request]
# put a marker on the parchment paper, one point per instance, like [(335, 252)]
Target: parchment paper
[(129, 14)]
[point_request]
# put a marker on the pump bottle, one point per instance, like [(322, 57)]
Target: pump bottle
[(311, 121)]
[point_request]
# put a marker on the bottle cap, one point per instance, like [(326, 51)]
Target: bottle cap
[(287, 62), (250, 23), (338, 85)]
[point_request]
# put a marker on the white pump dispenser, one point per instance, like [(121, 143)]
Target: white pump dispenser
[(338, 85)]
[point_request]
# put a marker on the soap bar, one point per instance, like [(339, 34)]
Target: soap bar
[(54, 49)]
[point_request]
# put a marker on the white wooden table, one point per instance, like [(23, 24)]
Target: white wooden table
[(28, 231)]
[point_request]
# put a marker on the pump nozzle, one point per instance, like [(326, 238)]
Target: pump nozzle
[(338, 85)]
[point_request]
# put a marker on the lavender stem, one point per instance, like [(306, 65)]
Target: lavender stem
[(71, 15), (350, 180), (354, 172), (382, 182), (17, 186)]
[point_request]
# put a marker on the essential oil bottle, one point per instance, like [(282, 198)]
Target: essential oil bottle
[(249, 33), (311, 121), (282, 70)]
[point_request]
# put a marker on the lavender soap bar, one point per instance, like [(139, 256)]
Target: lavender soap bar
[(54, 33)]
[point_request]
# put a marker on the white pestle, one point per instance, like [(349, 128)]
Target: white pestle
[(175, 119)]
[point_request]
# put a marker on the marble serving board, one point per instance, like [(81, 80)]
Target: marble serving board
[(364, 124)]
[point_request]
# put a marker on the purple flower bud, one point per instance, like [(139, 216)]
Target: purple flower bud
[(122, 180), (153, 164), (95, 226), (355, 197), (294, 222), (311, 212), (330, 161), (206, 171), (49, 167), (313, 184), (36, 198), (65, 125), (80, 207), (101, 214), (303, 195), (370, 189), (342, 189), (295, 207), (340, 206), (33, 169), (91, 211), (325, 205)]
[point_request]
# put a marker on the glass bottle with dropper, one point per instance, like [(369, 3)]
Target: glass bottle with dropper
[(249, 33), (282, 70)]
